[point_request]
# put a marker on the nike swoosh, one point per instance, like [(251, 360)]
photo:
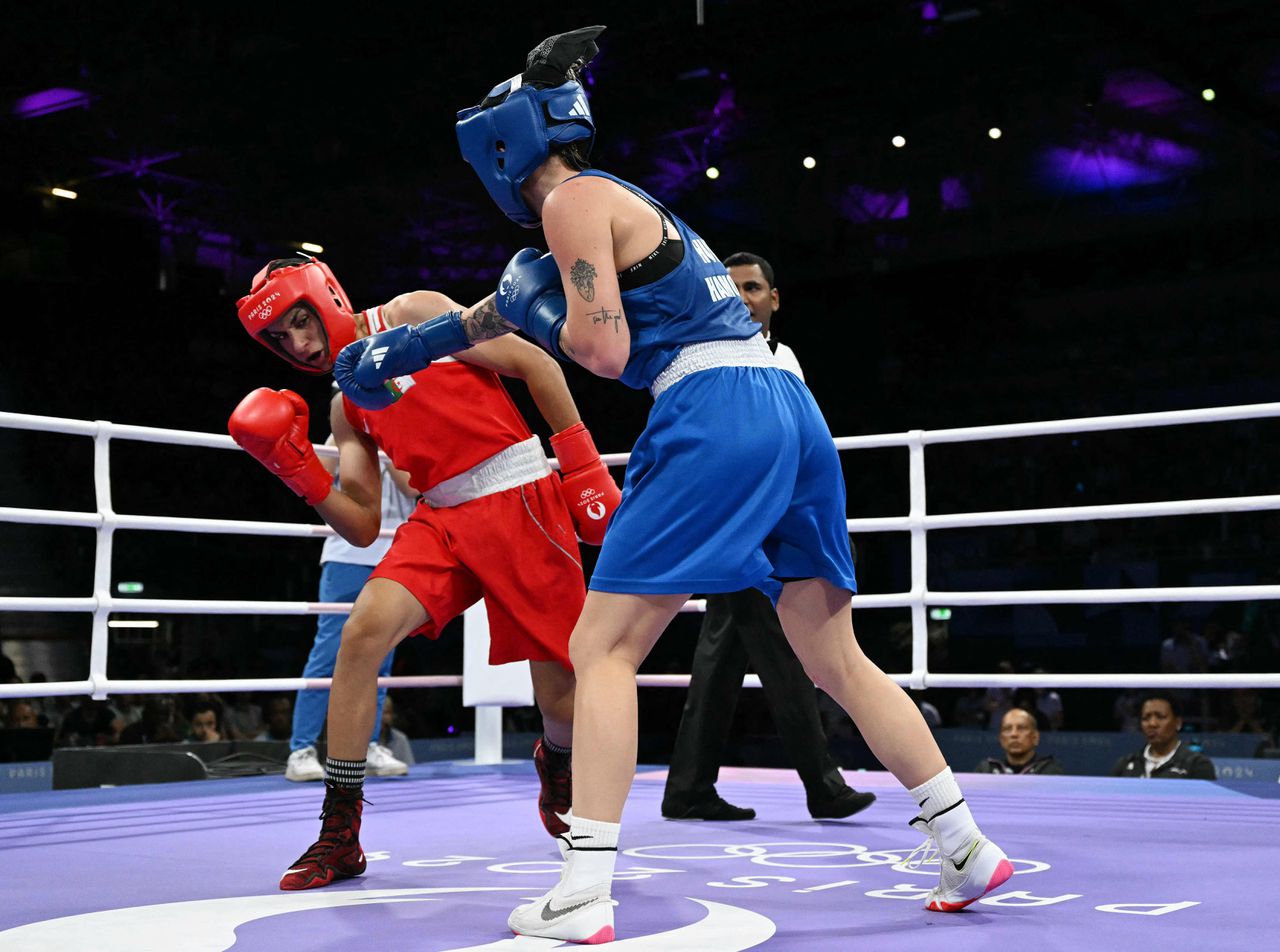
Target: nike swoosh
[(551, 915), (296, 869), (584, 836), (960, 865), (923, 802)]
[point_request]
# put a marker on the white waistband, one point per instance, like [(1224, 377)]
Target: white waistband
[(752, 352), (518, 464)]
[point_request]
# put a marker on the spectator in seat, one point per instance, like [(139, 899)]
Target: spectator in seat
[(206, 723), (1165, 755), (1019, 737)]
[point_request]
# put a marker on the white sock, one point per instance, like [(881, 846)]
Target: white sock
[(943, 807), (593, 852)]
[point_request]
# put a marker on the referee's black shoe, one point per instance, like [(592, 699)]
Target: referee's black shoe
[(713, 808), (845, 804)]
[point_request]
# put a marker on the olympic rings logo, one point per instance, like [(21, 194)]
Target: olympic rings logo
[(264, 309), (793, 854)]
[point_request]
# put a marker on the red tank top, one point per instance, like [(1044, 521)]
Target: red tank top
[(452, 416)]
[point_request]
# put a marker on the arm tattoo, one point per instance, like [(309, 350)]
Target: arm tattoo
[(583, 277), (485, 322), (604, 316)]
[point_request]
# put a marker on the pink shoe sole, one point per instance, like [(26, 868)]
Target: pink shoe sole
[(601, 937), (998, 878)]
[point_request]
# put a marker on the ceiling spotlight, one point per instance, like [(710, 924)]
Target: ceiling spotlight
[(62, 193), (117, 623), (1209, 95), (713, 172), (809, 162), (898, 142), (312, 249), (994, 132)]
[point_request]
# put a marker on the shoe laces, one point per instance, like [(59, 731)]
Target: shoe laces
[(340, 806), (337, 826), (927, 853)]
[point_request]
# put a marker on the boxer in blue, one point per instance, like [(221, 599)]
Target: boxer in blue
[(734, 482)]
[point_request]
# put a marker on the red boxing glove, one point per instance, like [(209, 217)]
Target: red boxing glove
[(589, 490), (271, 425)]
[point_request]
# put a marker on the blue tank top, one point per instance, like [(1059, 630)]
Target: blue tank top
[(698, 301)]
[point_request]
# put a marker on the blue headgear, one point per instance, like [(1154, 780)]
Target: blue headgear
[(504, 143)]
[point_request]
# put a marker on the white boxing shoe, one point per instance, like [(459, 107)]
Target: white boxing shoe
[(380, 762), (968, 874), (585, 916), (303, 765)]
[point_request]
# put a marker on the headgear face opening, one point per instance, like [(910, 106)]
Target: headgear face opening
[(309, 283), (504, 143)]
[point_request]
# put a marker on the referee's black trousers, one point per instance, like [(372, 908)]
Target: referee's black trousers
[(741, 629)]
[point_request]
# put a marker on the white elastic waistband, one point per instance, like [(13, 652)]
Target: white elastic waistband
[(752, 352), (517, 465)]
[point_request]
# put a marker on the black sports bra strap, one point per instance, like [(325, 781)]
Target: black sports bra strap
[(658, 263)]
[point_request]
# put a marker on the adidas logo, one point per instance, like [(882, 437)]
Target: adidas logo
[(379, 353), (579, 108)]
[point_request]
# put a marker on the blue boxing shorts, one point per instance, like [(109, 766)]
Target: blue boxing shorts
[(734, 483)]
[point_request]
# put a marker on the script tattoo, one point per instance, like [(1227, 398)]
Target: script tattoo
[(604, 316), (583, 276), (485, 322)]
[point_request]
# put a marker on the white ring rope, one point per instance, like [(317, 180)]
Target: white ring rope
[(917, 522)]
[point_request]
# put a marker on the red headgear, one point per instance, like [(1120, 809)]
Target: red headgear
[(310, 283)]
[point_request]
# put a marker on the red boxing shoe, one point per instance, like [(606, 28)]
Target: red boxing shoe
[(556, 796), (337, 854)]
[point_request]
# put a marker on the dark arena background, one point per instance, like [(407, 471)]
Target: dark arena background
[(980, 213)]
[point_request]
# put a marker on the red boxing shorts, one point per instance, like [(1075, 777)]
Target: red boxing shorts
[(516, 549)]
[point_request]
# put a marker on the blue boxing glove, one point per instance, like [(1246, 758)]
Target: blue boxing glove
[(378, 397), (364, 368), (531, 296)]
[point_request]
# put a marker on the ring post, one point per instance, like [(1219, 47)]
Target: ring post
[(101, 559), (919, 562)]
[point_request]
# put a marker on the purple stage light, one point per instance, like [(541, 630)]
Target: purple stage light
[(860, 204), (1141, 90), (1128, 160), (672, 177), (929, 11), (49, 100), (954, 194), (215, 250)]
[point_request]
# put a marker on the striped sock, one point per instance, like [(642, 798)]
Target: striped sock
[(344, 773), (554, 747)]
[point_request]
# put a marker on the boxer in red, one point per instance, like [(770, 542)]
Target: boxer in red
[(487, 492)]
